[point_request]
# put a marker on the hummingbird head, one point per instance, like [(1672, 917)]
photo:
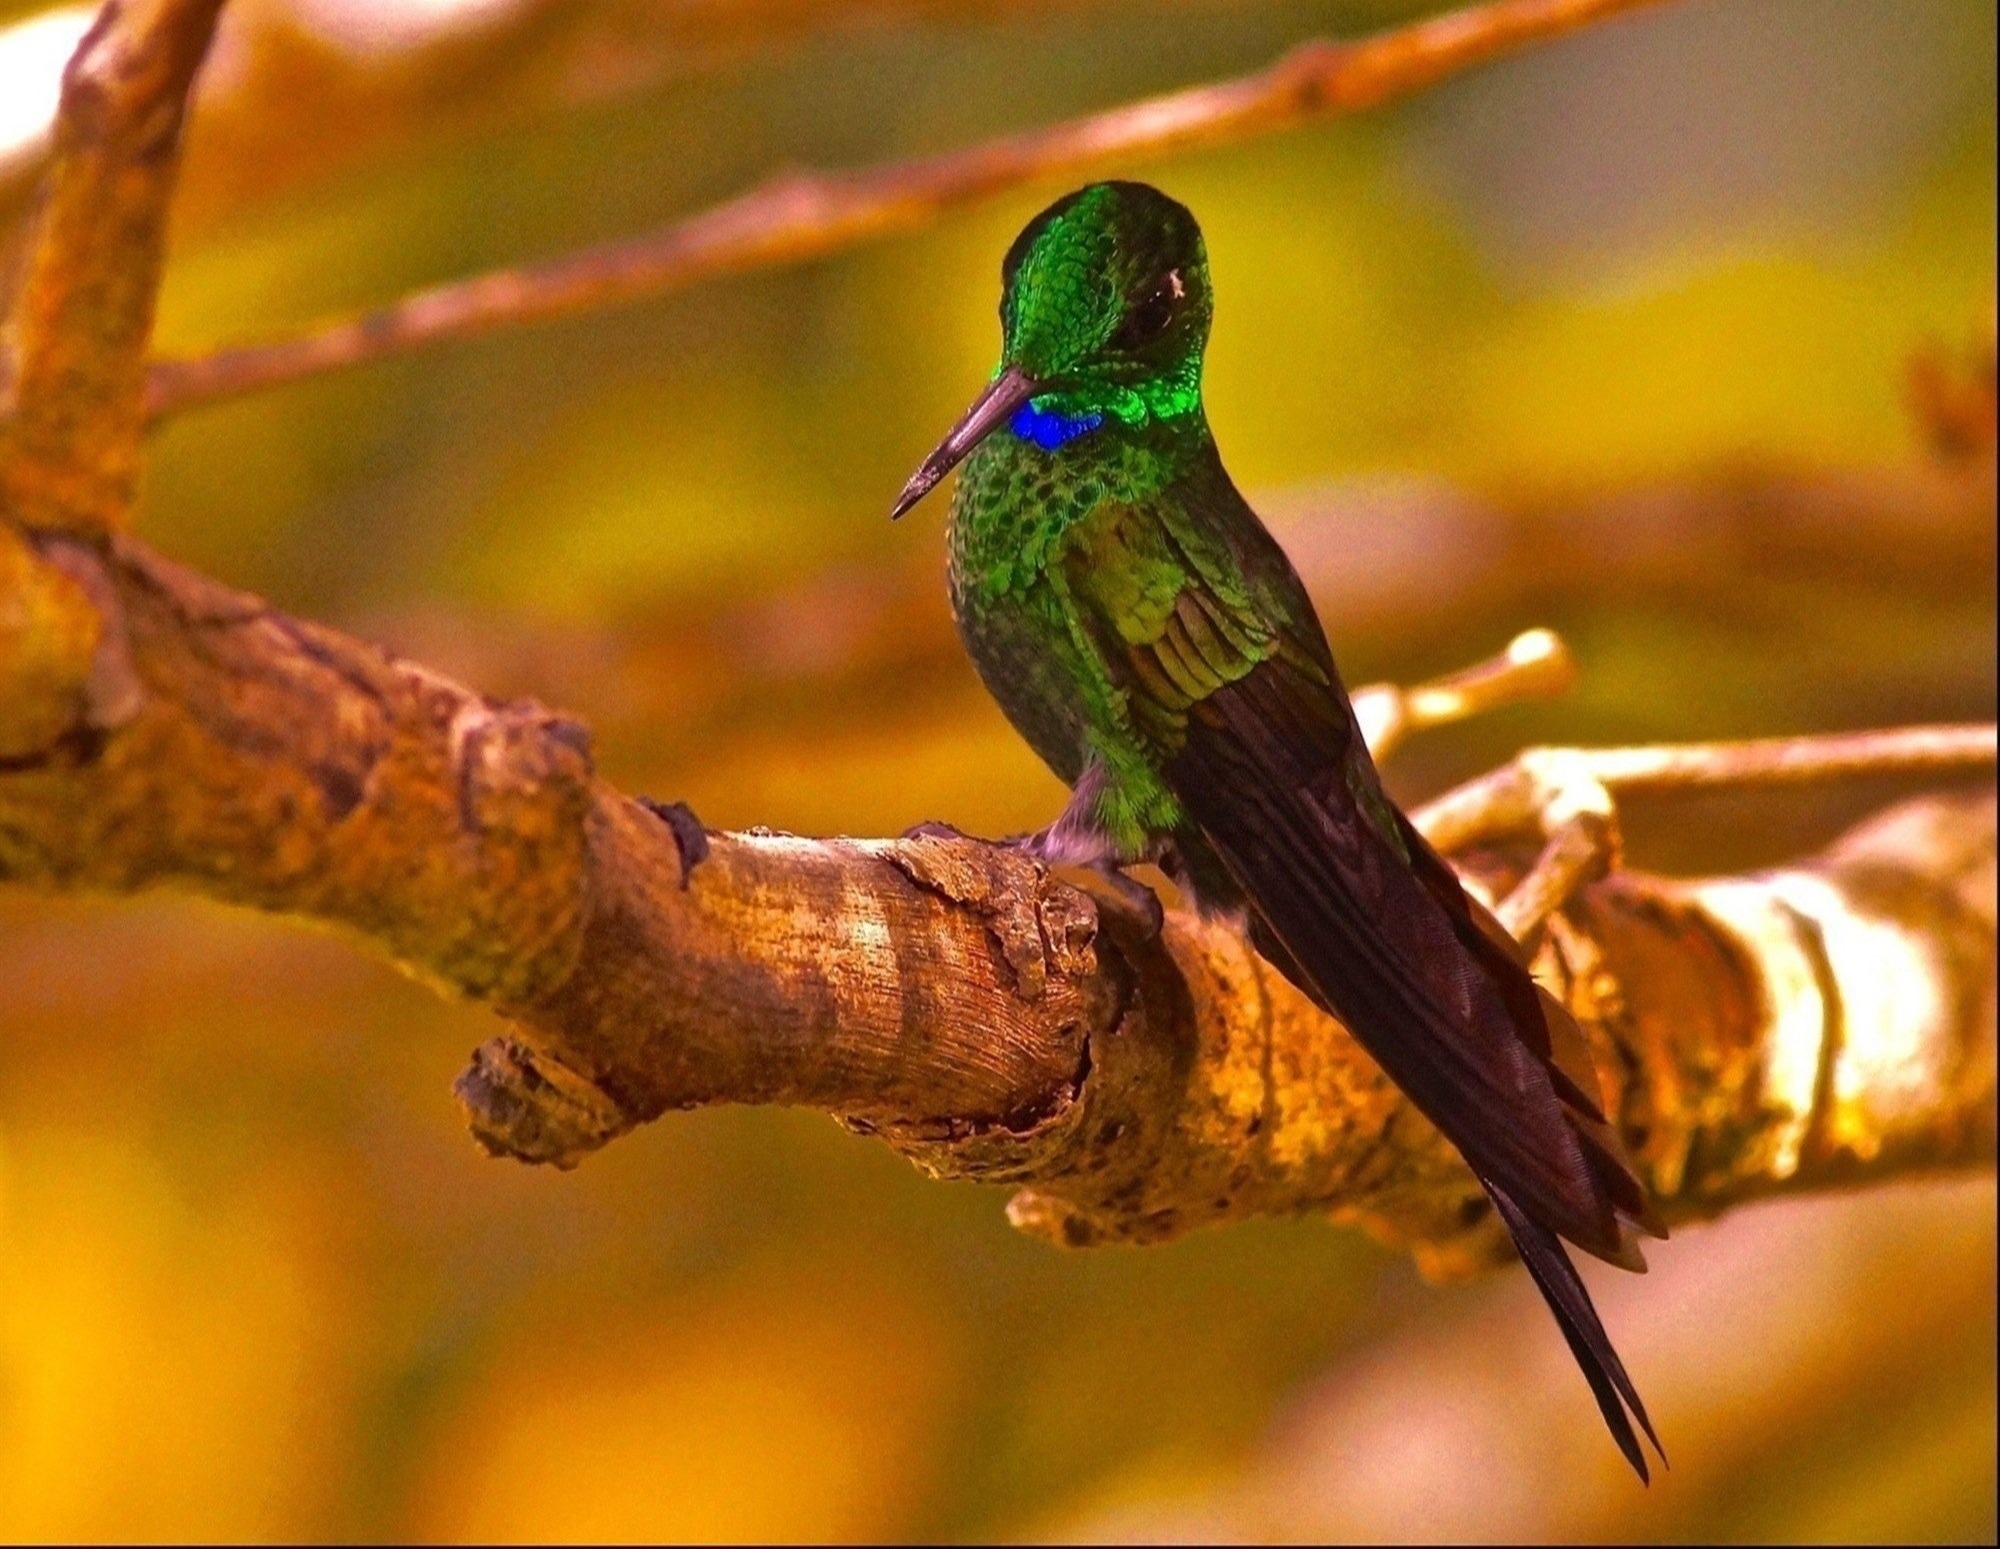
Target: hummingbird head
[(1104, 314), (1105, 305)]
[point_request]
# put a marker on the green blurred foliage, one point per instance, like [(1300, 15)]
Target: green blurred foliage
[(254, 1281)]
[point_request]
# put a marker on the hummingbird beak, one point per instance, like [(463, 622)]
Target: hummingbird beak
[(992, 409)]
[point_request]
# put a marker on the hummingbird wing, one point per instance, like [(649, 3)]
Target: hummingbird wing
[(1203, 624)]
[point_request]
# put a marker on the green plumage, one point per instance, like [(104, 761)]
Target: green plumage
[(1049, 550), (1094, 609), (1147, 636)]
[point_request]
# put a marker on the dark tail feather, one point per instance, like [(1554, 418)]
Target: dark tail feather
[(1545, 1025), (1563, 1289)]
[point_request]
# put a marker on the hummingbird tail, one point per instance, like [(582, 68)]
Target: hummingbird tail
[(1564, 1291), (1351, 904), (1546, 1026)]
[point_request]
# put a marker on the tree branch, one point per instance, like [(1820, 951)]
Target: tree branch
[(1544, 786), (263, 123), (795, 218), (1760, 1033), (1788, 1030), (73, 377), (1567, 796)]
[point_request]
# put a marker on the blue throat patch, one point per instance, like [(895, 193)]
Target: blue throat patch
[(1049, 431)]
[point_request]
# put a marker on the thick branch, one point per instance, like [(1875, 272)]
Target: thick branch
[(74, 373), (796, 218), (1780, 1031)]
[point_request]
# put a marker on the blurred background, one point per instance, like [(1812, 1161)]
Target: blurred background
[(1654, 335)]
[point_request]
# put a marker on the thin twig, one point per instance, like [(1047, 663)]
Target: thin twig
[(795, 218), (73, 377), (1535, 665), (1788, 760), (1582, 850), (1543, 787), (1568, 796)]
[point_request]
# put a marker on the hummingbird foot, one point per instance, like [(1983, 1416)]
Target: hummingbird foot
[(1076, 849), (933, 828), (1076, 837), (1125, 898)]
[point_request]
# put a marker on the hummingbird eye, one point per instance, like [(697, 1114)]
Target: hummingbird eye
[(1149, 318)]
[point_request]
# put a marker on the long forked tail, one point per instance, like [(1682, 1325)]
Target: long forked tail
[(1364, 917), (1563, 1289)]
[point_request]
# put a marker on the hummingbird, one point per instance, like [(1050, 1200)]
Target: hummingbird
[(1148, 637)]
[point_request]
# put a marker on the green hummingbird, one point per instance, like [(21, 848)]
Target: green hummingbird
[(1148, 637)]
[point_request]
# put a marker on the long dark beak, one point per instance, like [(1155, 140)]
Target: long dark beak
[(1003, 395)]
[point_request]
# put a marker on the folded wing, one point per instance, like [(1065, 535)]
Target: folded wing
[(1229, 675)]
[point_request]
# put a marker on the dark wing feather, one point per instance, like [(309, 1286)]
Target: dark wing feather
[(1545, 1024), (1260, 746), (1270, 789)]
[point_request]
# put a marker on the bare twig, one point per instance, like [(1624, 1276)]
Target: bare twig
[(1535, 665), (796, 218), (1567, 796), (74, 371), (287, 82), (1581, 850), (1543, 787)]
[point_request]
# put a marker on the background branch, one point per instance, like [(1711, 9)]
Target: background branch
[(1535, 665), (294, 70), (73, 374), (800, 217)]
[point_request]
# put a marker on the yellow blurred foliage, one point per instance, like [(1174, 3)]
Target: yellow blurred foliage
[(164, 1366), (780, 1411)]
